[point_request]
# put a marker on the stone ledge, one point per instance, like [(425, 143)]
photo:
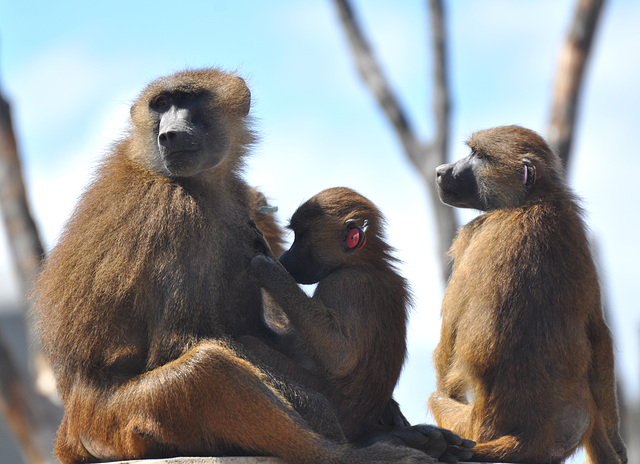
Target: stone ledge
[(208, 460)]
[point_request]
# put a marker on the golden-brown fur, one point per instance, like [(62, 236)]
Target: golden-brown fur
[(525, 363), (142, 302)]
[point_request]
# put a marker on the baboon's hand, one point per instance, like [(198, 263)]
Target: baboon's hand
[(392, 416), (273, 277), (262, 266), (442, 444), (260, 245)]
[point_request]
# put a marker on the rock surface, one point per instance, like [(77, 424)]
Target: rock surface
[(201, 460)]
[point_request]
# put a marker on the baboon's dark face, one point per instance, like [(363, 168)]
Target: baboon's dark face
[(505, 165), (316, 244), (187, 123), (191, 137), (485, 180), (305, 266), (457, 183)]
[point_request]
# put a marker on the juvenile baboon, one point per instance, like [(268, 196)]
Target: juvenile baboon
[(525, 362), (354, 326), (142, 302)]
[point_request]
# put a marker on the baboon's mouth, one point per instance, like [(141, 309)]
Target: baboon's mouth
[(444, 192), (182, 163), (180, 153)]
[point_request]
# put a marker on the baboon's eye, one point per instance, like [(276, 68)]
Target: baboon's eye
[(476, 153), (160, 103)]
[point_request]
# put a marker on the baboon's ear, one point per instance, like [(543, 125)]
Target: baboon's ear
[(529, 173), (355, 236), (236, 96)]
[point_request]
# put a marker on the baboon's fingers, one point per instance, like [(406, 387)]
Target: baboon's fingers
[(439, 443)]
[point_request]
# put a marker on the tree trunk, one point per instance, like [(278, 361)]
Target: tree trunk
[(32, 417), (569, 76), (24, 241), (425, 157)]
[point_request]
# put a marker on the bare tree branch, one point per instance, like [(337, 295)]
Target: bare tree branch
[(561, 131), (445, 217), (32, 418), (24, 240), (441, 97), (569, 77), (373, 76), (424, 156)]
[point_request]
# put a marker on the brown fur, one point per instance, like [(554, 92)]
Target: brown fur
[(143, 300), (354, 326), (525, 363)]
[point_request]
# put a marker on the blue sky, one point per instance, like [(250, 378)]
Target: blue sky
[(72, 68)]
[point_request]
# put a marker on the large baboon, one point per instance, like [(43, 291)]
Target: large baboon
[(525, 362), (354, 326), (142, 302)]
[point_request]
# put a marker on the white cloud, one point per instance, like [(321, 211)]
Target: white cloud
[(56, 190), (56, 86)]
